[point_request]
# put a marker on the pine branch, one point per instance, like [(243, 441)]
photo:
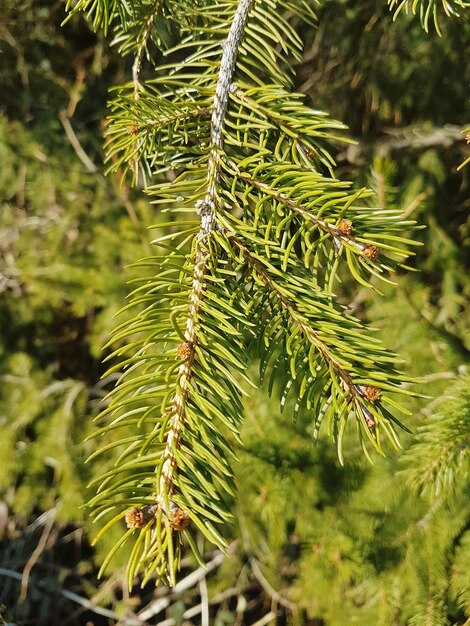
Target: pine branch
[(340, 234), (348, 359), (142, 47), (375, 250), (255, 270), (439, 461), (429, 10), (207, 210), (298, 123), (219, 108)]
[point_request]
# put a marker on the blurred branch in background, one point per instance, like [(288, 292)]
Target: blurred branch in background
[(409, 139)]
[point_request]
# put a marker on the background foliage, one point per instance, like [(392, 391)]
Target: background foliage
[(312, 543)]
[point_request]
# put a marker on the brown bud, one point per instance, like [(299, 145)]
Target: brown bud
[(345, 227), (139, 517), (371, 252), (179, 519), (372, 393), (184, 350), (133, 129)]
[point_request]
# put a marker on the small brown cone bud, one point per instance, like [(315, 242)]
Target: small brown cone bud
[(139, 517), (133, 129), (345, 227), (179, 519), (372, 393), (371, 252), (184, 350)]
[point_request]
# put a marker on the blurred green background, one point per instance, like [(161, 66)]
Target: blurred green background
[(313, 543)]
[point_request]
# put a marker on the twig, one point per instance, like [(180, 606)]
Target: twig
[(267, 619), (187, 583), (42, 519), (195, 610), (298, 208), (439, 376), (275, 595), (291, 308), (276, 120), (137, 65), (414, 204), (219, 109), (135, 621), (73, 597), (204, 602), (22, 65), (76, 145), (410, 138), (75, 91), (105, 590), (35, 556)]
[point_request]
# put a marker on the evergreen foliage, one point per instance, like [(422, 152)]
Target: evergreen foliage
[(260, 265), (313, 541), (429, 9), (361, 547)]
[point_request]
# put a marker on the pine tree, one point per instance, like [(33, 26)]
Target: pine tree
[(216, 131)]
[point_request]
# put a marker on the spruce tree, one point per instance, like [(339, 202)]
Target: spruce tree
[(261, 233), (311, 542)]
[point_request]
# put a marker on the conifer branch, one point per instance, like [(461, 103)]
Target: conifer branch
[(234, 278), (355, 392), (142, 46), (285, 124), (173, 441), (219, 108), (207, 210), (429, 10), (169, 119), (291, 308), (341, 233)]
